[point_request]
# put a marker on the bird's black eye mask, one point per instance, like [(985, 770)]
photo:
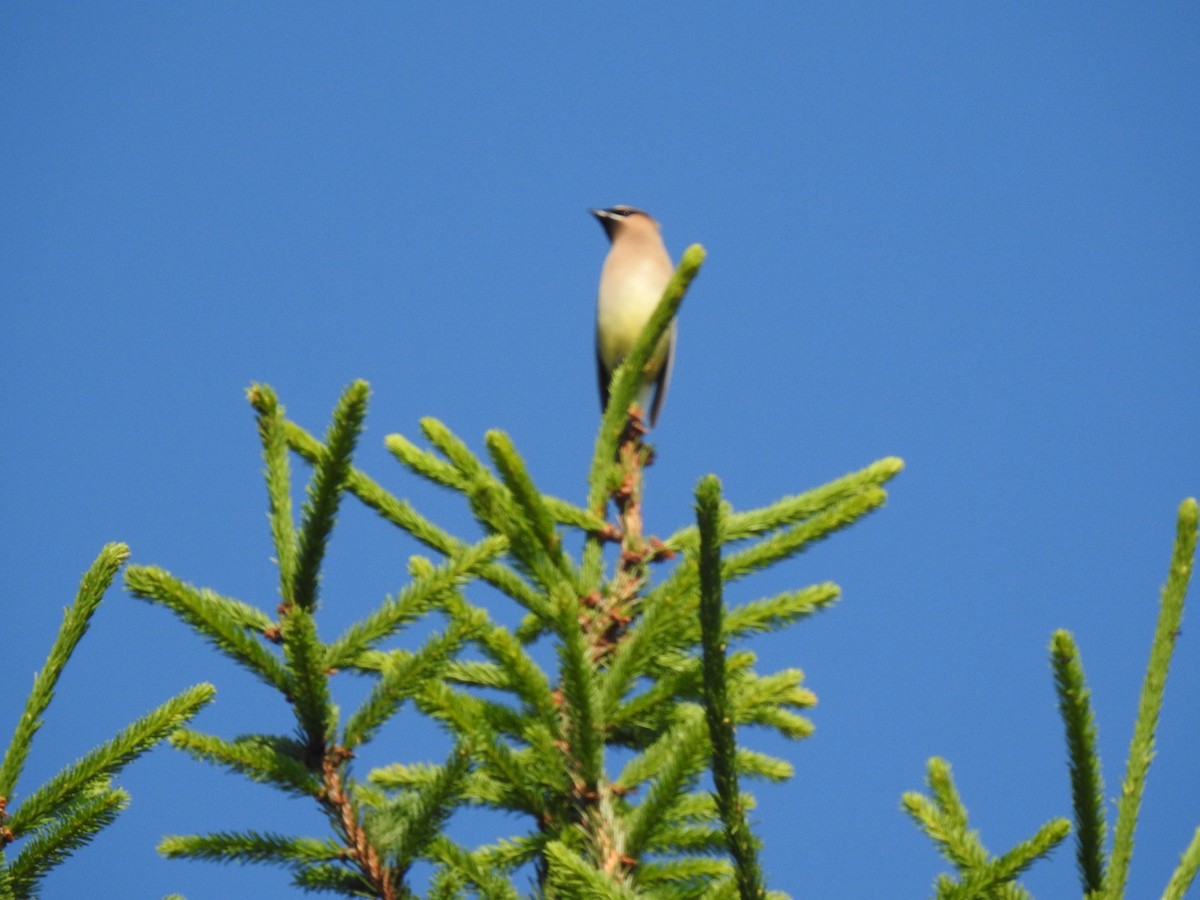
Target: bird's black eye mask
[(608, 218)]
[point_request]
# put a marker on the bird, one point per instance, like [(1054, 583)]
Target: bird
[(635, 274)]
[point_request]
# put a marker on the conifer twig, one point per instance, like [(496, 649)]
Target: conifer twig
[(797, 508), (571, 875), (944, 819), (225, 622), (1087, 780), (266, 759), (1185, 872), (324, 493), (110, 757), (1141, 749), (525, 517), (75, 622), (75, 827), (68, 810), (401, 514), (273, 435), (72, 807), (717, 709)]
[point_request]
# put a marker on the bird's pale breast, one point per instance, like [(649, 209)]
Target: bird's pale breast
[(624, 309)]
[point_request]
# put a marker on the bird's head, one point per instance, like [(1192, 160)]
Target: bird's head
[(623, 219)]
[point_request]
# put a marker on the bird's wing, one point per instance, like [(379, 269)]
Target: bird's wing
[(663, 379), (602, 375)]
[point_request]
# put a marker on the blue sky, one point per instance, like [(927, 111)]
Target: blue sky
[(963, 234)]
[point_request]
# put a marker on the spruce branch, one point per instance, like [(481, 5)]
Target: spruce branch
[(251, 846), (477, 673), (425, 592), (406, 827), (514, 507), (1087, 780), (402, 679), (616, 606), (765, 700), (317, 764), (525, 785), (72, 807), (1017, 860), (944, 820), (447, 884), (782, 545), (509, 853), (224, 622), (582, 725), (655, 632), (444, 473), (472, 870), (571, 876), (528, 499), (325, 491), (637, 720), (717, 709), (567, 513), (675, 837), (75, 623), (401, 514), (753, 764), (981, 886), (686, 873), (334, 879), (1141, 749), (1185, 872), (474, 788), (685, 735), (426, 464), (493, 504), (523, 676), (75, 825), (772, 613), (467, 714), (109, 758), (455, 449), (279, 483), (308, 679), (674, 762), (765, 615), (944, 817), (266, 759), (797, 508)]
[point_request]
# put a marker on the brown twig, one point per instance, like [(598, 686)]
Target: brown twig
[(615, 611), (6, 835), (358, 846)]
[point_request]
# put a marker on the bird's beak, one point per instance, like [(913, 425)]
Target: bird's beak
[(606, 219)]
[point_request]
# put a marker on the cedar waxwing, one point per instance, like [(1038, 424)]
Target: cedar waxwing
[(635, 274)]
